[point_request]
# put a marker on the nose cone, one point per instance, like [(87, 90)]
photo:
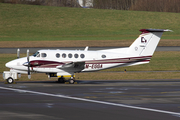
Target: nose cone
[(17, 64), (12, 64), (9, 64)]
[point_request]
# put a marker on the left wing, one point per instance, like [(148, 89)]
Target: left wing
[(72, 66)]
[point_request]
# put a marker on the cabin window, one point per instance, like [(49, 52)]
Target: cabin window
[(64, 55), (76, 55), (82, 55), (70, 55), (57, 55), (103, 56), (43, 55)]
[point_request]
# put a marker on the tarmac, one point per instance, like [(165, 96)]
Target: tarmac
[(97, 100), (126, 100)]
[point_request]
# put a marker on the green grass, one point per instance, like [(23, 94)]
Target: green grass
[(37, 23)]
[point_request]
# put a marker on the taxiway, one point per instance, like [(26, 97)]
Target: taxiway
[(129, 100)]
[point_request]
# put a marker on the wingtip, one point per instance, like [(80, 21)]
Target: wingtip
[(168, 30)]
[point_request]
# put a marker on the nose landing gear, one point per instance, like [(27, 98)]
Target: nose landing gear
[(10, 80)]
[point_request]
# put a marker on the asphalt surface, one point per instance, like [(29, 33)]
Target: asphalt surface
[(87, 100), (126, 100), (33, 50)]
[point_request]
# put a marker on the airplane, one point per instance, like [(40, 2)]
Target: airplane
[(65, 63)]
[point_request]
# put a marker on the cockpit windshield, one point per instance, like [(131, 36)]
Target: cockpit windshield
[(36, 54)]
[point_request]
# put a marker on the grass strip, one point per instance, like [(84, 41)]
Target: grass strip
[(45, 23), (79, 43)]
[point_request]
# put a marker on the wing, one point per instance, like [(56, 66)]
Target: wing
[(73, 66)]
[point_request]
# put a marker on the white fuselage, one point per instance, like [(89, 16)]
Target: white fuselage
[(46, 61)]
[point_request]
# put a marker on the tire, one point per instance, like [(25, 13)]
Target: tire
[(10, 80), (61, 80), (71, 81)]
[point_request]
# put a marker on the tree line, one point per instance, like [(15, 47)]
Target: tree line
[(139, 5)]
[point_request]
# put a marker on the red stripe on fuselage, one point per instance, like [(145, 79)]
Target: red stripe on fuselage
[(53, 64)]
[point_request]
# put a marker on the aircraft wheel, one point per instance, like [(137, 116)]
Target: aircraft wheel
[(71, 81), (10, 80), (61, 80)]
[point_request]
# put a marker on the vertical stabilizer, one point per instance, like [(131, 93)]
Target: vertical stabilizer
[(146, 43)]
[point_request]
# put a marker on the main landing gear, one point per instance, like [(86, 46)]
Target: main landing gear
[(71, 81), (62, 80)]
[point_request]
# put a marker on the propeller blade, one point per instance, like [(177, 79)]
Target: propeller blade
[(29, 76), (29, 70), (18, 56), (19, 75), (18, 53), (28, 55), (29, 73)]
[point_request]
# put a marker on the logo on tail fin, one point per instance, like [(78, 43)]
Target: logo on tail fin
[(143, 40)]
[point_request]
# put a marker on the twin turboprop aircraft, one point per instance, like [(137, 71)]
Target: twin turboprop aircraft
[(65, 63)]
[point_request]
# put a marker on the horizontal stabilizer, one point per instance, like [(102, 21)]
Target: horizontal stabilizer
[(155, 30)]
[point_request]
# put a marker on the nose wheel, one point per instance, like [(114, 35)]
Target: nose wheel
[(10, 80)]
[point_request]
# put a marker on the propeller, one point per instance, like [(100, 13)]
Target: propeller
[(29, 74), (18, 53), (18, 56)]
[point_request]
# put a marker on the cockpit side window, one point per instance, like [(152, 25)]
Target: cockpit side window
[(36, 54), (43, 55)]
